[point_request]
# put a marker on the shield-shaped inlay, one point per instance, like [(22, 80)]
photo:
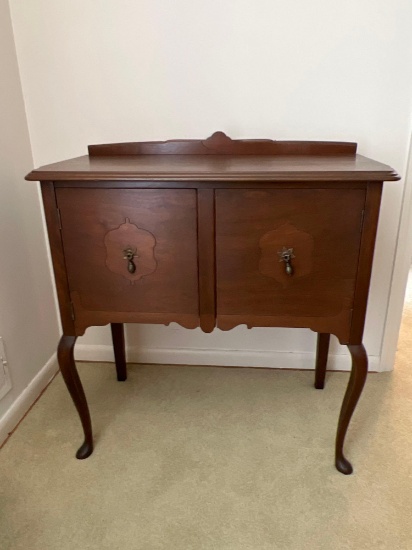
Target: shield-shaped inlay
[(130, 251)]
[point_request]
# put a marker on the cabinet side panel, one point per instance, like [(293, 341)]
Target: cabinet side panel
[(57, 254), (369, 228)]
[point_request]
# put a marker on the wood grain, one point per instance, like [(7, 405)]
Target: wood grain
[(220, 144), (57, 255), (325, 267), (206, 252), (219, 158), (141, 242), (169, 215), (370, 225), (338, 325)]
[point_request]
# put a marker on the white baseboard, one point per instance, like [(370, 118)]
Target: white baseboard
[(219, 357), (26, 399)]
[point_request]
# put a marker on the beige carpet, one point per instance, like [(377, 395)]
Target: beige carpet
[(212, 458)]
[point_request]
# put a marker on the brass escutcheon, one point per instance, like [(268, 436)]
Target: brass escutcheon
[(129, 254), (286, 255)]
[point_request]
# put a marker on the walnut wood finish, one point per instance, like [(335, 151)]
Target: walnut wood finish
[(211, 168), (137, 246), (322, 350), (355, 386), (166, 277), (192, 231), (218, 159), (57, 253), (220, 144), (333, 325), (119, 350), (252, 227), (206, 252), (370, 225), (193, 184), (71, 377)]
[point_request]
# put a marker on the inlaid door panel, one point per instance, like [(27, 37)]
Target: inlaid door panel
[(130, 250), (287, 252)]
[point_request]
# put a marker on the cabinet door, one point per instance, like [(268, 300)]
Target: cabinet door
[(131, 254), (319, 228)]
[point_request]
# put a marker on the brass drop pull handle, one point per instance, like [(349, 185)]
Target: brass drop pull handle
[(286, 255), (129, 255)]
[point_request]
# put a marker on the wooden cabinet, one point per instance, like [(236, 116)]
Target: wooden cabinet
[(212, 233)]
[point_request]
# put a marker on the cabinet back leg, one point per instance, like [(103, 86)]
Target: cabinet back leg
[(65, 355), (119, 350), (322, 350)]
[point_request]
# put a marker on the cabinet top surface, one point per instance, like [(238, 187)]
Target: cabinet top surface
[(218, 159)]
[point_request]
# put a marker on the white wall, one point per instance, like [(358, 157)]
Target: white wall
[(95, 71), (28, 320)]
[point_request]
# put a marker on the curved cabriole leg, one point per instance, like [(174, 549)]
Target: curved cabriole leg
[(72, 380), (322, 350), (353, 392)]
